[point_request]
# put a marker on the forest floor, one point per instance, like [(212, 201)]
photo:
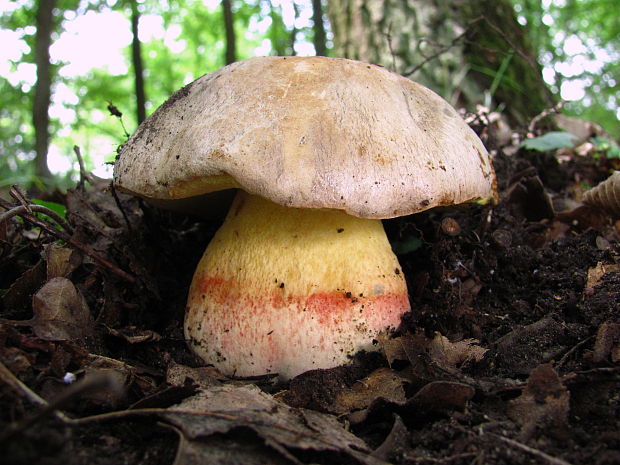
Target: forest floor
[(511, 354)]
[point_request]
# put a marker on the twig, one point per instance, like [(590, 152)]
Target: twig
[(543, 114), (28, 209), (448, 459), (120, 206), (530, 450), (388, 37), (93, 382), (62, 235), (84, 176), (19, 194), (15, 383), (443, 49), (572, 350)]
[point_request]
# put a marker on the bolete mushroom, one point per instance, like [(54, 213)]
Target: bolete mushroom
[(301, 274)]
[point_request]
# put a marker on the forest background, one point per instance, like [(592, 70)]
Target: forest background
[(70, 68)]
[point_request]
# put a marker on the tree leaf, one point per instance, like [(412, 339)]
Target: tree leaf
[(61, 312), (61, 261), (551, 141), (544, 402), (217, 418), (57, 208)]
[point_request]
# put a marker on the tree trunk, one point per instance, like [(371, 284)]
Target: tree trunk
[(469, 51), (138, 69), (229, 26), (318, 28), (42, 90)]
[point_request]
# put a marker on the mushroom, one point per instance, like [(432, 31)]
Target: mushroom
[(301, 274)]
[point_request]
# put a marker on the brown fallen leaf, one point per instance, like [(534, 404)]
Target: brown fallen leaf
[(441, 396), (607, 343), (181, 375), (432, 358), (106, 398), (606, 195), (596, 273), (455, 354), (61, 261), (61, 312), (242, 449), (392, 348), (396, 443), (134, 336), (544, 403), (382, 382), (18, 297), (219, 418), (140, 377), (434, 398), (416, 347), (527, 196)]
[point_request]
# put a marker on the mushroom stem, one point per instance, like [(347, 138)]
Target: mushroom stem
[(285, 290)]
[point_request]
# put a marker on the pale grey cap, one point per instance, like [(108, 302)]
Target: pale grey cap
[(309, 132)]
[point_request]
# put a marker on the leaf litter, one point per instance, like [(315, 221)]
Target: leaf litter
[(510, 356)]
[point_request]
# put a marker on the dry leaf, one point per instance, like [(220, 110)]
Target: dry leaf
[(396, 443), (437, 397), (383, 382), (220, 418), (440, 396), (61, 261), (429, 357), (61, 312), (606, 195), (392, 348), (133, 335), (579, 127), (543, 404), (454, 354), (607, 344), (596, 273), (18, 297), (242, 449), (181, 375)]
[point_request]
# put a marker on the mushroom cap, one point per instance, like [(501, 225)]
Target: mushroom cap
[(309, 132)]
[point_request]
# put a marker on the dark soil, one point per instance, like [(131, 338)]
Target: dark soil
[(525, 294)]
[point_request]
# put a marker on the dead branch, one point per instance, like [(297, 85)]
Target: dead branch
[(7, 377), (543, 114), (530, 450), (28, 209), (64, 236), (84, 176), (443, 49), (99, 381), (120, 206)]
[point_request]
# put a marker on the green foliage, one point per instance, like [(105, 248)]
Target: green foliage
[(190, 44), (550, 141), (407, 245), (607, 147), (579, 40), (57, 208), (279, 35)]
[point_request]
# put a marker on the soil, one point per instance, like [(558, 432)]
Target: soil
[(511, 354)]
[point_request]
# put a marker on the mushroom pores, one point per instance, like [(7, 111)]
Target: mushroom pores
[(284, 290)]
